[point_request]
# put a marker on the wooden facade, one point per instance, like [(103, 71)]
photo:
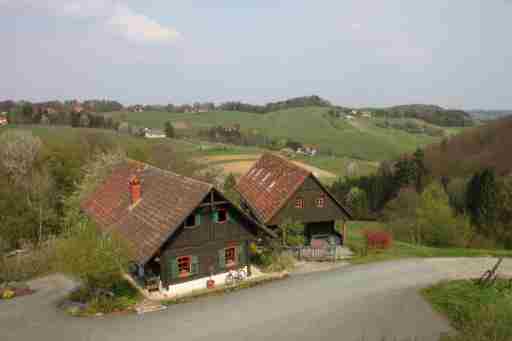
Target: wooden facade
[(206, 243), (276, 191), (318, 211)]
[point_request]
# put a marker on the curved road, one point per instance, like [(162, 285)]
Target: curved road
[(362, 302)]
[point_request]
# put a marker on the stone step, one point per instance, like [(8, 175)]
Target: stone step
[(148, 306)]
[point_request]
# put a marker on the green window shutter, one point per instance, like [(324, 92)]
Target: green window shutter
[(231, 219), (215, 217), (194, 266), (222, 259), (241, 254), (173, 271), (198, 219)]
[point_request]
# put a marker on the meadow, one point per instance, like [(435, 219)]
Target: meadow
[(357, 139)]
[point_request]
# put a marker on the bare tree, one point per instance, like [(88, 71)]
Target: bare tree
[(19, 152)]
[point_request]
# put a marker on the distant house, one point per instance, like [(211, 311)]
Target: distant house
[(154, 133), (366, 114), (137, 108), (310, 150), (276, 190), (3, 119), (77, 108), (349, 117), (183, 231)]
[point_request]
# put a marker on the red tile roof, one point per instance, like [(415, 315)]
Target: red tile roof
[(167, 199), (270, 183)]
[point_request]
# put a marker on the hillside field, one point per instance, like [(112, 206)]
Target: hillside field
[(357, 139), (226, 158)]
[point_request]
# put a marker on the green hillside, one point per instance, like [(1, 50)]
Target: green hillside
[(359, 138)]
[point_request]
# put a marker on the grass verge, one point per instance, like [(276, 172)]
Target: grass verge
[(478, 313), (356, 243)]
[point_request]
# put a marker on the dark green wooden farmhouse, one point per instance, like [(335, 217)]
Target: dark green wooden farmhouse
[(183, 231), (276, 190)]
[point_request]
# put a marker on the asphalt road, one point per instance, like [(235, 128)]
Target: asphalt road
[(354, 303)]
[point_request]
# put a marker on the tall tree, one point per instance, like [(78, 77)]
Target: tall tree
[(481, 200), (421, 169), (488, 199), (169, 130)]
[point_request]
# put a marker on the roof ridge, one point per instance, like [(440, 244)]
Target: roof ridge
[(169, 172), (289, 162)]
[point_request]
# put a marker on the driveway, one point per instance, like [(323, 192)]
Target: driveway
[(356, 303)]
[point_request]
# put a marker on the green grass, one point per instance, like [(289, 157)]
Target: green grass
[(478, 313), (401, 250), (338, 165), (311, 125)]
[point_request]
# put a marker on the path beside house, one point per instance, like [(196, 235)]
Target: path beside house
[(350, 304)]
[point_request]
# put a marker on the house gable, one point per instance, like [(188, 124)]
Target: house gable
[(309, 193), (208, 229), (209, 237)]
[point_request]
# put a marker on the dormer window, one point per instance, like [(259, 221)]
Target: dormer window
[(192, 221), (320, 202)]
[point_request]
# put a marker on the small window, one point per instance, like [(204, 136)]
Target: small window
[(320, 202), (299, 203), (230, 256), (192, 221), (184, 264), (222, 216)]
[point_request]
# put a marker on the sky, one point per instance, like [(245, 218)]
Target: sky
[(456, 53)]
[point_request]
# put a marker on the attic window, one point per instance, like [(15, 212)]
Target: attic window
[(222, 216), (320, 202), (299, 203)]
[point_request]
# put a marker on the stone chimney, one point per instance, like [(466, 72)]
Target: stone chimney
[(135, 190)]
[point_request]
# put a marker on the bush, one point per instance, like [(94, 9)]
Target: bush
[(121, 296), (97, 260), (280, 262), (378, 240)]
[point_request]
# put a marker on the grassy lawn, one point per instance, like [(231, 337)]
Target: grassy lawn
[(400, 249), (478, 313)]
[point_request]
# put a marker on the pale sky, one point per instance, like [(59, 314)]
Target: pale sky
[(455, 53)]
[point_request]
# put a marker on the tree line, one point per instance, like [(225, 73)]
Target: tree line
[(438, 211)]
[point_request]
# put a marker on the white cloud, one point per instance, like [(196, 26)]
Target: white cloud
[(112, 16), (139, 27)]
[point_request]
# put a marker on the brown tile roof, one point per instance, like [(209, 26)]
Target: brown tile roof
[(270, 183), (167, 199)]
